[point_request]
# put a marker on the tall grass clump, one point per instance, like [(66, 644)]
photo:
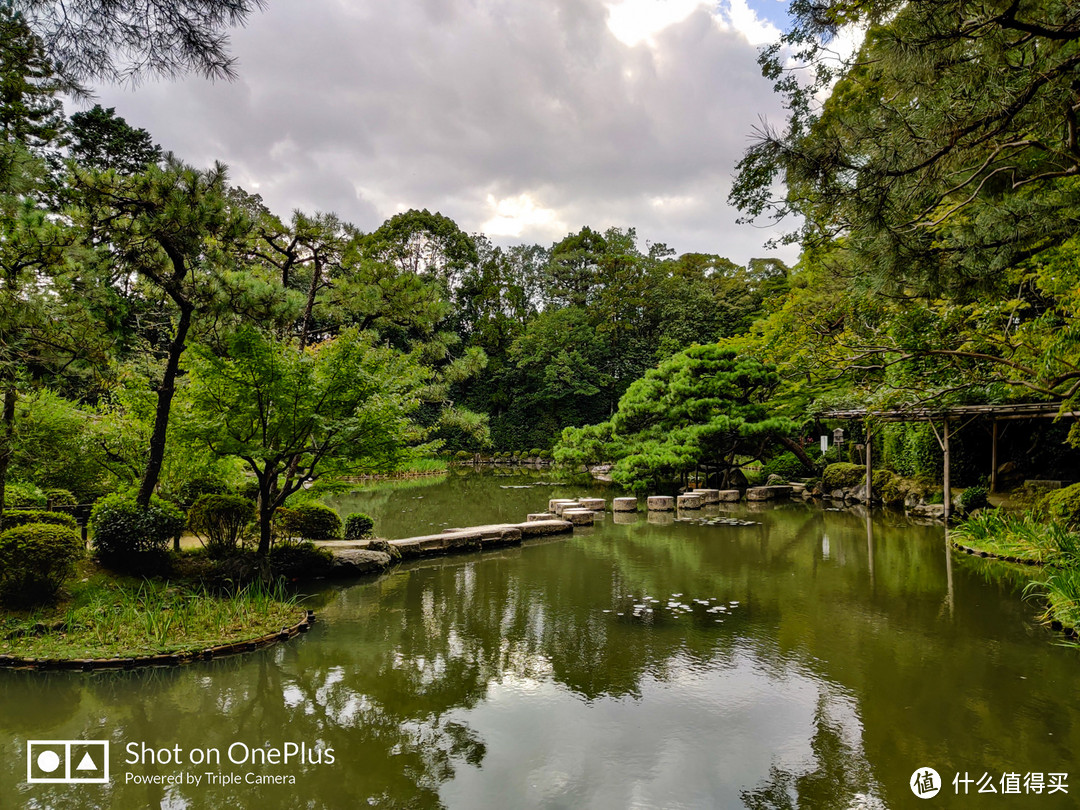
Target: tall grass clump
[(1061, 590), (1023, 535)]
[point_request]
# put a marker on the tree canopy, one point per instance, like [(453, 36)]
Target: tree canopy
[(132, 39), (947, 151), (705, 408)]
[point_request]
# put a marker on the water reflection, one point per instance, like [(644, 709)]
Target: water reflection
[(848, 653)]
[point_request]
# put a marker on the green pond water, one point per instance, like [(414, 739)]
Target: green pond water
[(849, 652)]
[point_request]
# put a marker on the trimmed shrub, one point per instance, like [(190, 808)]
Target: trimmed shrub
[(843, 475), (358, 526), (122, 528), (299, 560), (786, 465), (310, 521), (535, 452), (463, 455), (220, 521), (891, 488), (22, 494), (35, 559), (973, 498), (60, 497), (1062, 505), (21, 517)]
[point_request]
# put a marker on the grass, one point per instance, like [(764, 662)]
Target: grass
[(424, 465), (109, 617), (1019, 534), (1061, 590)]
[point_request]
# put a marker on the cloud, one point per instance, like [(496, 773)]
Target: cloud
[(522, 118)]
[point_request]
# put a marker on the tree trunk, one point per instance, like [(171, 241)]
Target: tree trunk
[(165, 394), (266, 514), (797, 449), (316, 280)]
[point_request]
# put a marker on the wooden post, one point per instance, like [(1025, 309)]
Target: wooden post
[(993, 457), (869, 469), (945, 453)]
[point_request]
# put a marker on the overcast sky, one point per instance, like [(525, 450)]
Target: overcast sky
[(521, 120)]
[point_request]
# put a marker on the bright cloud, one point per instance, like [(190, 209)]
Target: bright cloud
[(634, 21), (738, 15), (521, 216)]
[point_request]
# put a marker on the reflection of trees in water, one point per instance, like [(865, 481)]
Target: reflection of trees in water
[(267, 699), (383, 679), (839, 777)]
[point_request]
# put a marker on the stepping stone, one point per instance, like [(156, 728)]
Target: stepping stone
[(689, 501), (579, 517)]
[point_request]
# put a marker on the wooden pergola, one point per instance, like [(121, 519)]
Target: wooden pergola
[(962, 414)]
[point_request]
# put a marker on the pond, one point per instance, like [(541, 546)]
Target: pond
[(811, 659)]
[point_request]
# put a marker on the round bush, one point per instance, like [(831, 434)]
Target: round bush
[(358, 526), (1062, 505), (786, 465), (843, 475), (300, 560), (121, 527), (310, 521), (60, 497), (22, 494), (35, 559), (21, 517), (220, 520)]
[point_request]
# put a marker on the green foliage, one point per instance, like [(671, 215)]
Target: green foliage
[(1062, 506), (912, 450), (54, 446), (100, 139), (706, 405), (891, 488), (122, 529), (220, 520), (299, 560), (21, 517), (786, 465), (1061, 589), (23, 494), (35, 559), (1024, 535), (341, 406), (358, 526), (310, 521), (61, 497), (973, 498), (941, 102), (843, 475)]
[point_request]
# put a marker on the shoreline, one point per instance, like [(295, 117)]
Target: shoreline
[(178, 658)]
